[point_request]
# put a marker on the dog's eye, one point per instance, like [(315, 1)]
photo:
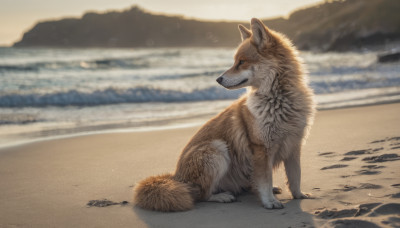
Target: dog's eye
[(239, 64)]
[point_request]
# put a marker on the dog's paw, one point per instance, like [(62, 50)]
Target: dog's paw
[(223, 197), (273, 204), (302, 196)]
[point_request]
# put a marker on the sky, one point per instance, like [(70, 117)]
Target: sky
[(18, 16)]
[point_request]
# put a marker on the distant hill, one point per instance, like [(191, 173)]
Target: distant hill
[(329, 26), (343, 25)]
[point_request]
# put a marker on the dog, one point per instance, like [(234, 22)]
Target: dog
[(239, 148)]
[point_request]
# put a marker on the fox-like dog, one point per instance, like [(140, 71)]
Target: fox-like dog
[(238, 149)]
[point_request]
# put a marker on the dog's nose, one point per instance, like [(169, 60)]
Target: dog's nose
[(219, 80)]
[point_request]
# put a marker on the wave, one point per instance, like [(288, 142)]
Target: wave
[(17, 118), (323, 87), (149, 94), (115, 96), (142, 60), (78, 65), (18, 68), (188, 75)]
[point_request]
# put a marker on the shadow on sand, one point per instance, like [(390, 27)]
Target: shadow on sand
[(246, 212)]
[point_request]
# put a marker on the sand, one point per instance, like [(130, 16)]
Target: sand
[(350, 164)]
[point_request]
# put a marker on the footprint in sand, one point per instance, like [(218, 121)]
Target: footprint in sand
[(396, 185), (369, 170), (346, 223), (347, 188), (384, 140), (104, 203), (348, 158), (346, 176), (362, 209), (396, 195), (334, 213), (386, 209), (378, 141), (334, 166), (370, 210), (344, 203), (373, 166), (395, 221), (377, 149), (394, 139), (359, 152), (369, 186), (326, 154), (382, 158)]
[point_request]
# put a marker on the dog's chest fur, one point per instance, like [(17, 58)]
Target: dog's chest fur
[(272, 113)]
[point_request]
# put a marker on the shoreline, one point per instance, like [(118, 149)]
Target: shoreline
[(99, 132), (163, 124)]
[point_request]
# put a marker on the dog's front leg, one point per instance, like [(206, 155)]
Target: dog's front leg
[(293, 173), (262, 176)]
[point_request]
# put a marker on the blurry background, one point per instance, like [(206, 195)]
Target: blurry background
[(18, 16), (138, 64)]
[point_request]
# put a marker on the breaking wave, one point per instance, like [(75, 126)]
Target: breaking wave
[(323, 87), (132, 62), (99, 64), (142, 94), (115, 96)]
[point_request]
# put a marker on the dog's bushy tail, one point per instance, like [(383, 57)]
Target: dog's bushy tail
[(163, 193)]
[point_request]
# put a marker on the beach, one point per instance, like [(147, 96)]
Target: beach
[(350, 164)]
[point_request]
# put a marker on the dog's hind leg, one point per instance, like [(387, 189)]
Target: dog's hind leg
[(204, 166), (221, 166)]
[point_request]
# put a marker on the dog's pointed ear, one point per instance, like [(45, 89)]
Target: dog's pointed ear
[(244, 32), (261, 35)]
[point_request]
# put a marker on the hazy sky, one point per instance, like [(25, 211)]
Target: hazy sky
[(18, 16)]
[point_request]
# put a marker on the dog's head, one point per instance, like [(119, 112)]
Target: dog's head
[(256, 59)]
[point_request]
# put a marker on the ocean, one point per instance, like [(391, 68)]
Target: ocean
[(48, 92)]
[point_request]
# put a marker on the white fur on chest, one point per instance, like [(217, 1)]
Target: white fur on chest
[(270, 114)]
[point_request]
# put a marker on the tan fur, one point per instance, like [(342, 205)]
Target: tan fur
[(162, 193), (238, 149)]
